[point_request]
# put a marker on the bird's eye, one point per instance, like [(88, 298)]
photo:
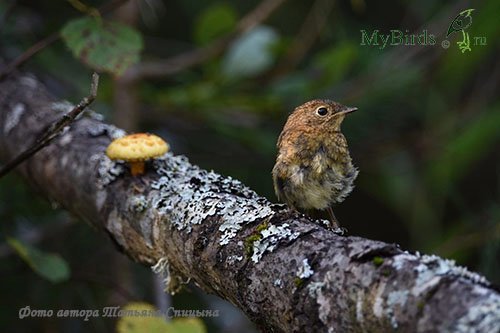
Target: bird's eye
[(322, 111)]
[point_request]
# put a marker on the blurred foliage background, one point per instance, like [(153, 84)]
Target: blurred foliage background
[(426, 136)]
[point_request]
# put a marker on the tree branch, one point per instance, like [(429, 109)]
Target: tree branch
[(284, 270), (54, 129)]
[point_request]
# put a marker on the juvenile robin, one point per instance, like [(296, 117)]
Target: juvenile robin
[(313, 168)]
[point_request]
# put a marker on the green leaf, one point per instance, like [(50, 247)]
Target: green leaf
[(251, 54), (137, 324), (214, 22), (103, 46), (187, 325), (48, 265), (143, 321)]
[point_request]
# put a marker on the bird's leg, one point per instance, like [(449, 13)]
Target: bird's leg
[(334, 223), (333, 220)]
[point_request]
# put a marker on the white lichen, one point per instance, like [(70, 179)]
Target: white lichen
[(138, 203), (111, 131), (97, 130), (107, 170), (94, 115), (482, 317), (305, 271), (271, 236), (378, 304), (232, 259), (432, 266), (431, 269), (115, 132), (447, 266), (188, 195), (392, 318), (13, 117), (66, 137), (400, 260), (314, 288), (360, 296), (62, 106), (30, 81), (397, 298)]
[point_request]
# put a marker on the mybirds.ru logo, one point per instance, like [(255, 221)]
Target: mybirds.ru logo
[(397, 37)]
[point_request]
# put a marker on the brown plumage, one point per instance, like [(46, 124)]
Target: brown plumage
[(313, 168)]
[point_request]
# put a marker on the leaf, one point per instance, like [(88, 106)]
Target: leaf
[(251, 54), (48, 265), (142, 321), (214, 22), (103, 46), (137, 324), (187, 325)]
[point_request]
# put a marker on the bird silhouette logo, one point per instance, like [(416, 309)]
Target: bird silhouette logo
[(461, 22)]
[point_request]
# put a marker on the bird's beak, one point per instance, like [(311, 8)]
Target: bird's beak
[(347, 110)]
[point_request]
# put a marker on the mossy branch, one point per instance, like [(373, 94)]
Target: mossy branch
[(284, 270)]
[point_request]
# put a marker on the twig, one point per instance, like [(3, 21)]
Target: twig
[(54, 129), (189, 59)]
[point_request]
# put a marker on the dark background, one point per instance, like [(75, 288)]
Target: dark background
[(426, 136)]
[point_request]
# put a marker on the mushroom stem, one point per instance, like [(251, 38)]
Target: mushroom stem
[(137, 168)]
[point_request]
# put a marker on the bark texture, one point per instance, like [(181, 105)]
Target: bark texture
[(284, 270)]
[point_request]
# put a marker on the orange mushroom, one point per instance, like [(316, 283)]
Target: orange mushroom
[(136, 149)]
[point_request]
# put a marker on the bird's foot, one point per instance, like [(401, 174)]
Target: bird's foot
[(334, 224)]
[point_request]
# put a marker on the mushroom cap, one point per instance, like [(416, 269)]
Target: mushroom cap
[(137, 147)]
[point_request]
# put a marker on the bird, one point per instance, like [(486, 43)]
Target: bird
[(314, 169)]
